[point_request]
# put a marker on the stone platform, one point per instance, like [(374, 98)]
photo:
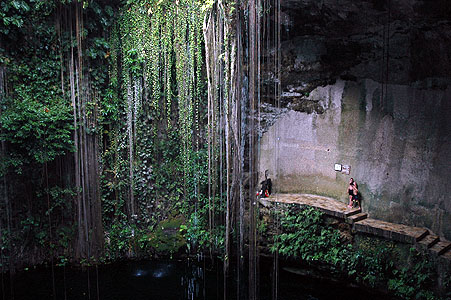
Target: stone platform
[(361, 223), (327, 205)]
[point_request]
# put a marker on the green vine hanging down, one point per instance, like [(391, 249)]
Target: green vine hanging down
[(157, 157)]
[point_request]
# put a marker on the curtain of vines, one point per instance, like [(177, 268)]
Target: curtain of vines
[(52, 61), (154, 165), (233, 49)]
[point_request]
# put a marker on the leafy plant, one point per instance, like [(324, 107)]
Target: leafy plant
[(167, 237), (414, 280), (373, 262), (304, 235)]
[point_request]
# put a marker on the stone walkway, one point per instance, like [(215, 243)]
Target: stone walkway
[(361, 223)]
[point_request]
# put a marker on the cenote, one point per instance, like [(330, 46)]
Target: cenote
[(225, 149)]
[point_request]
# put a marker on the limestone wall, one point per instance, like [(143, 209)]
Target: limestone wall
[(399, 150)]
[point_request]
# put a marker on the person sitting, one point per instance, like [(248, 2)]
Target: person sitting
[(266, 187)]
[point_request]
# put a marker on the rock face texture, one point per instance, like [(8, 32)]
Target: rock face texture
[(365, 84)]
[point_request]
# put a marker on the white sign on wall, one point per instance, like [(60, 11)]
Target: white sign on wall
[(346, 169)]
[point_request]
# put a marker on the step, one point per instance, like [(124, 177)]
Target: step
[(429, 240), (441, 247), (352, 212), (391, 231), (446, 255), (356, 218)]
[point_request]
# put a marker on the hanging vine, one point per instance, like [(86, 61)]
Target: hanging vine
[(157, 65)]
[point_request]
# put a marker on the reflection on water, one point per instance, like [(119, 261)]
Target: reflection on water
[(165, 280), (157, 271), (193, 280), (140, 273)]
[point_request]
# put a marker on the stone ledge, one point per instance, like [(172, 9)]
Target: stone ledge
[(360, 222), (327, 205), (391, 231)]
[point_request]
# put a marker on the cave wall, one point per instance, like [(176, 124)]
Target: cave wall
[(399, 151), (344, 100)]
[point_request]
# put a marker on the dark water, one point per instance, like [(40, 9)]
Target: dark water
[(165, 280)]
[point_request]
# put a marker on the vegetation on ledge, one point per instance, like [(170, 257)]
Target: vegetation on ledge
[(372, 262)]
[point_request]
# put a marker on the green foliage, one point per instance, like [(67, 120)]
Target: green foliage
[(372, 262), (65, 235), (446, 284), (32, 226), (145, 99), (62, 261), (199, 236), (36, 119), (12, 14), (118, 240), (375, 263), (305, 236), (168, 236), (39, 132), (415, 280), (151, 118), (60, 200)]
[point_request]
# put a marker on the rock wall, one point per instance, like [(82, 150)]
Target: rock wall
[(365, 83), (399, 150)]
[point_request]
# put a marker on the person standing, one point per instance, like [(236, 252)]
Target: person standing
[(351, 192), (355, 192)]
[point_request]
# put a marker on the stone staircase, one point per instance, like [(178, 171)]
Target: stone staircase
[(351, 219), (360, 222), (401, 233)]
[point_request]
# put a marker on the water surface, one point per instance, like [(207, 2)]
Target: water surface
[(170, 279)]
